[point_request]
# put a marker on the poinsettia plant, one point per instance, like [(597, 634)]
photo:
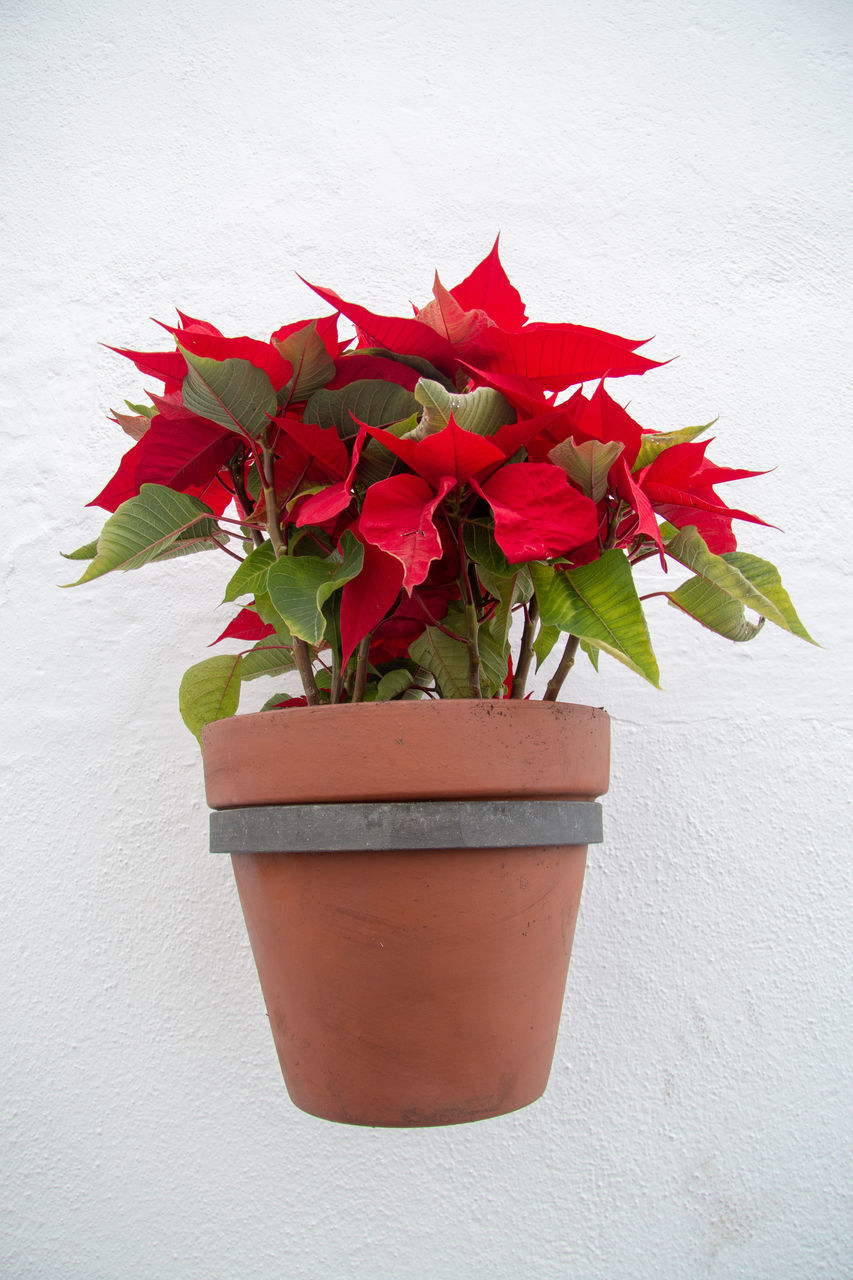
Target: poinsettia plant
[(425, 510)]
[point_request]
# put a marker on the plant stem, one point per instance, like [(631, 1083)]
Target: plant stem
[(273, 519), (563, 668), (244, 504), (472, 622), (525, 652), (301, 652), (473, 643), (302, 659), (360, 682), (229, 552), (337, 681)]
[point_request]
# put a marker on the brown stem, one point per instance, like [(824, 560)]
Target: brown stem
[(472, 622), (337, 679), (244, 503), (525, 652), (563, 668), (229, 552), (273, 515), (302, 658), (360, 682), (301, 652)]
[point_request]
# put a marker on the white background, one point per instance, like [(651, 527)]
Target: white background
[(663, 168)]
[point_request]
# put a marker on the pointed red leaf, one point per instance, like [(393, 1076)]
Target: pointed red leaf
[(448, 452), (366, 599), (523, 394), (630, 492), (246, 625), (397, 518), (603, 419), (488, 288), (188, 322), (168, 366), (448, 318), (537, 513), (556, 356), (355, 366), (320, 508), (666, 498), (327, 332), (410, 619), (186, 456), (171, 405), (408, 337), (261, 354), (323, 443)]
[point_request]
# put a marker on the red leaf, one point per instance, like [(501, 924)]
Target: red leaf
[(327, 332), (448, 452), (356, 365), (323, 443), (603, 419), (169, 366), (408, 337), (537, 513), (488, 288), (630, 491), (453, 322), (716, 529), (319, 508), (397, 518), (186, 456), (171, 405), (666, 497), (365, 600), (556, 356), (409, 620), (522, 393), (188, 322), (246, 625), (261, 354)]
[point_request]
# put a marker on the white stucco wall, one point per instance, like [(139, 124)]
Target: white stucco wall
[(661, 167)]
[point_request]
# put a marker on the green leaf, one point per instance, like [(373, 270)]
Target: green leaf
[(587, 463), (714, 609), (446, 658), (481, 411), (271, 656), (210, 691), (591, 652), (422, 366), (312, 365), (251, 576), (751, 582), (145, 410), (393, 683), (157, 524), (654, 444), (87, 552), (546, 638), (598, 602), (299, 586), (233, 393), (370, 400), (765, 578)]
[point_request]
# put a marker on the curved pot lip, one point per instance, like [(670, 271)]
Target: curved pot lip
[(446, 749), (412, 709)]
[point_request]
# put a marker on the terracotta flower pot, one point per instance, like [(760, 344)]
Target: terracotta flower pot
[(410, 875)]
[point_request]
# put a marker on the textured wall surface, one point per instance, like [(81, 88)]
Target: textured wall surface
[(669, 168)]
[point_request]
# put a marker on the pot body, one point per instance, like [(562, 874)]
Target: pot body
[(411, 986)]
